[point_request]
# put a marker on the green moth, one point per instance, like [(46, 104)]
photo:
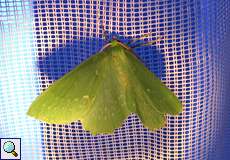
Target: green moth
[(104, 90)]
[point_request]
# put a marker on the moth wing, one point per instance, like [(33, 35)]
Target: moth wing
[(131, 92), (164, 100), (67, 98)]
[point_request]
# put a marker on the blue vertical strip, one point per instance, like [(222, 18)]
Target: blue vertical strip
[(213, 27), (18, 81)]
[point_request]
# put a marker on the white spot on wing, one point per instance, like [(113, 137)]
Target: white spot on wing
[(86, 97)]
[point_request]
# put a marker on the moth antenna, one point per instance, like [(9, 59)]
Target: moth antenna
[(147, 44), (104, 34), (140, 38)]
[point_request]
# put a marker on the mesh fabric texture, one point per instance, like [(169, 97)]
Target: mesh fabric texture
[(41, 40)]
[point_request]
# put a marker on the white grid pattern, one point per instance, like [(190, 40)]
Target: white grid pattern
[(18, 80), (187, 59)]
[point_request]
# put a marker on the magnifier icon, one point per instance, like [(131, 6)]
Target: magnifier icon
[(9, 147)]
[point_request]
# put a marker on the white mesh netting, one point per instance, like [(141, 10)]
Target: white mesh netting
[(42, 40)]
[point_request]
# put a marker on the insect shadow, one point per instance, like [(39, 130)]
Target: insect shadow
[(53, 65), (59, 61)]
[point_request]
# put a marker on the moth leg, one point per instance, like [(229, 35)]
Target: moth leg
[(104, 33)]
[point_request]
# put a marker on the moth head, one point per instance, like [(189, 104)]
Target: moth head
[(131, 44), (114, 42)]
